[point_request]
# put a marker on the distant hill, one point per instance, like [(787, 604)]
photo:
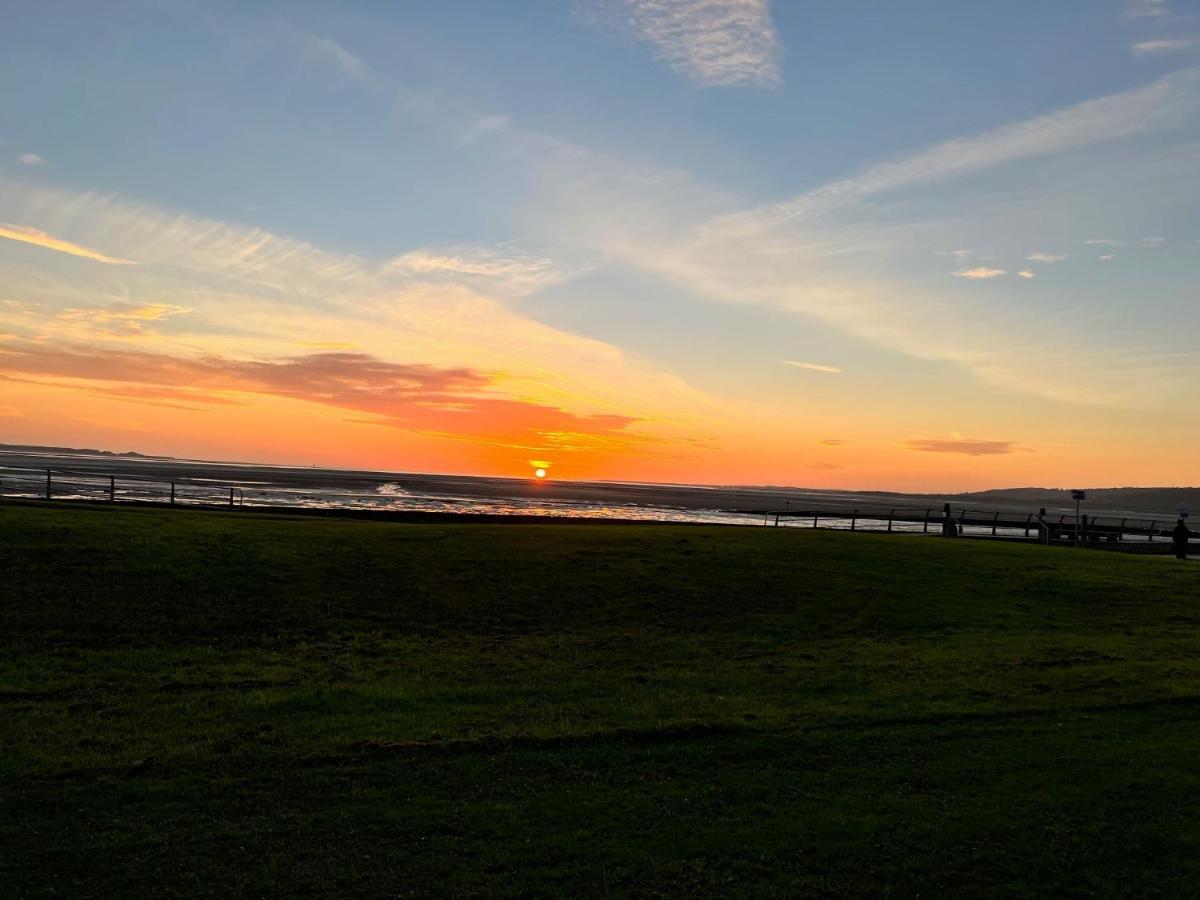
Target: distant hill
[(1144, 499), (37, 448)]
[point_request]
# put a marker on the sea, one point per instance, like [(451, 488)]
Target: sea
[(103, 476)]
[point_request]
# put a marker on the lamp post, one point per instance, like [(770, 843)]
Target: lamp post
[(1078, 497)]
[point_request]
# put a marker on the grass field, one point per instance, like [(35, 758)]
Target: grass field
[(233, 704)]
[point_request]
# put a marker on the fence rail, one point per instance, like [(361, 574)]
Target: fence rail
[(1044, 526), (51, 483)]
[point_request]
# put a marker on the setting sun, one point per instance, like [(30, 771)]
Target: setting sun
[(540, 473)]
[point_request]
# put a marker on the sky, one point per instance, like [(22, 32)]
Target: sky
[(920, 246)]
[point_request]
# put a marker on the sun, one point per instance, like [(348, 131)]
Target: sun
[(540, 473)]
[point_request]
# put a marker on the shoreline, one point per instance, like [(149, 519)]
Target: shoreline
[(430, 517)]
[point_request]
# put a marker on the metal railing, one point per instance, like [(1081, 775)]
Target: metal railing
[(55, 483), (1048, 527)]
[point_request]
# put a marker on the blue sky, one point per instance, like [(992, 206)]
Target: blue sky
[(967, 222)]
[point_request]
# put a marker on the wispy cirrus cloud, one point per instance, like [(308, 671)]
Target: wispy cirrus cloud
[(980, 273), (1164, 46), (482, 126), (30, 159), (967, 446), (1150, 242), (506, 265), (156, 237), (255, 294), (710, 42), (259, 281), (328, 52), (27, 235), (1046, 257), (812, 367), (124, 319), (1157, 106), (1027, 274), (811, 255)]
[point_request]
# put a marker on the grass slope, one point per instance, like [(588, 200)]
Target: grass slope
[(234, 704)]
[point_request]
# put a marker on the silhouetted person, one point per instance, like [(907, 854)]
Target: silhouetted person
[(949, 526), (1179, 536)]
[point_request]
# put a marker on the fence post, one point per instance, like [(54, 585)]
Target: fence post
[(231, 498), (891, 515), (926, 528), (47, 484), (112, 489), (854, 520), (995, 521), (172, 493), (815, 515), (1150, 535)]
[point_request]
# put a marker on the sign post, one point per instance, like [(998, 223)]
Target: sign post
[(1078, 497)]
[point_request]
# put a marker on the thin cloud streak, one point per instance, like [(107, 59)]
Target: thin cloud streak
[(326, 51), (124, 319), (967, 446), (1164, 46), (27, 235), (509, 267), (812, 367), (980, 274), (482, 126), (1154, 107)]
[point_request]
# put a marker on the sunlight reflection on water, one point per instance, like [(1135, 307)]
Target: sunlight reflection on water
[(389, 496)]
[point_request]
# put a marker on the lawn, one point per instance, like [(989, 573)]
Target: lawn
[(204, 703)]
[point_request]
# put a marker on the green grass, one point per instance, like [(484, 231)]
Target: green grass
[(234, 704)]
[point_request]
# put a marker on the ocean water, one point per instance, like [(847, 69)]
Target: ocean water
[(386, 496), (86, 476)]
